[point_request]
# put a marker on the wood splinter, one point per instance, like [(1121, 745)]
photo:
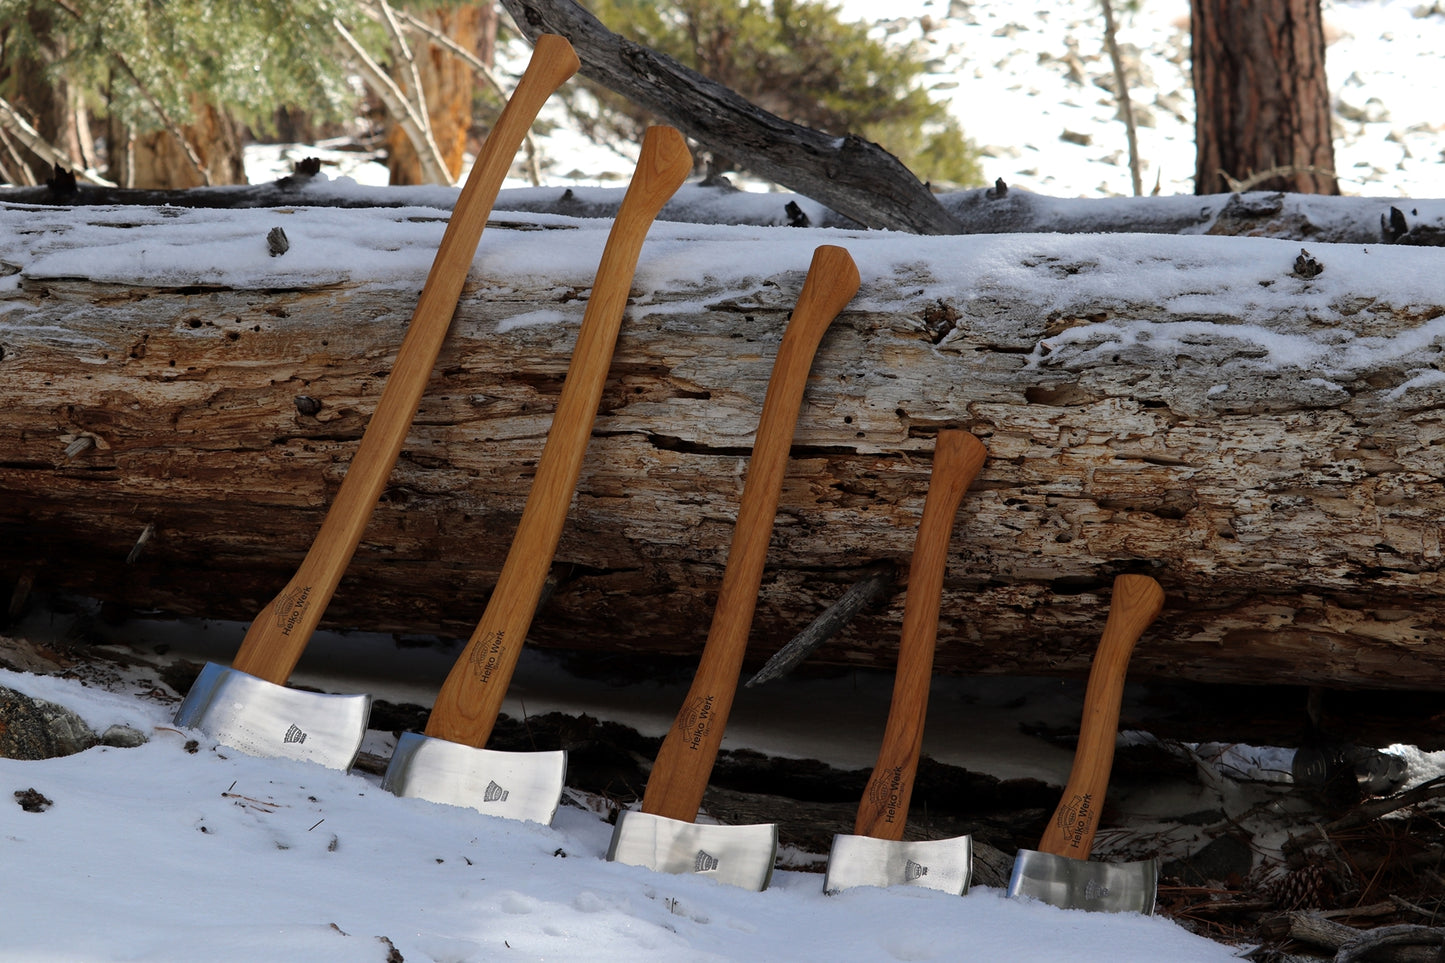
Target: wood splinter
[(146, 535)]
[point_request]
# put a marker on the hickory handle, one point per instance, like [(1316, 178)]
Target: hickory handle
[(278, 635), (684, 763), (1137, 601), (883, 812), (470, 699)]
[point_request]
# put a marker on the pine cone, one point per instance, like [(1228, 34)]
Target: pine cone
[(1308, 887)]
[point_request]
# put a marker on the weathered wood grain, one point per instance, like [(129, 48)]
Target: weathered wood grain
[(1292, 514)]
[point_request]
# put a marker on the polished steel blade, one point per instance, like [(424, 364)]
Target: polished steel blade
[(942, 864), (264, 719), (514, 785), (1086, 884), (736, 855)]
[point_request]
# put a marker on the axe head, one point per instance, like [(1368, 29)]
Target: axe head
[(736, 855), (1085, 884), (514, 785), (261, 718), (942, 864)]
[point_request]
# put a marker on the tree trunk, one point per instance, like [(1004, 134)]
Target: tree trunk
[(42, 99), (156, 160), (171, 440), (1262, 103), (448, 85)]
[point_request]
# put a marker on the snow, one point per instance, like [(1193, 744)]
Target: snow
[(158, 853)]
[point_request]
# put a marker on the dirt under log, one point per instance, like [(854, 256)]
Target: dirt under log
[(174, 446)]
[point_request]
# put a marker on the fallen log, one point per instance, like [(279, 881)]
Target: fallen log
[(1257, 426), (995, 210)]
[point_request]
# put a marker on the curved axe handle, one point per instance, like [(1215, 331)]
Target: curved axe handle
[(278, 635), (1137, 601), (684, 763), (470, 699), (883, 813)]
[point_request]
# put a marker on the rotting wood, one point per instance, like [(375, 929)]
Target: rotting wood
[(1292, 515)]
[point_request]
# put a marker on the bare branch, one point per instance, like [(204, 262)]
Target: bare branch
[(403, 52), (1284, 170), (529, 142), (401, 108), (28, 136), (1111, 40)]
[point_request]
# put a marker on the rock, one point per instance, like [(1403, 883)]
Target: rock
[(33, 729), (122, 737)]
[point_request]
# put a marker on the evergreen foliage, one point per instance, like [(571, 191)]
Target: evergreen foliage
[(799, 60), (130, 56)]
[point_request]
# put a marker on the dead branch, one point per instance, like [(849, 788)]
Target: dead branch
[(402, 49), (872, 586), (30, 138), (1368, 812), (1126, 106), (529, 142), (1387, 944), (855, 177), (405, 112), (1373, 943), (1254, 180)]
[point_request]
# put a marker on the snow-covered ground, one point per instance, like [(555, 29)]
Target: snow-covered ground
[(168, 855), (1024, 82)]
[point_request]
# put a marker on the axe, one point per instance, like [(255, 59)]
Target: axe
[(663, 835), (247, 705), (449, 763), (1060, 871), (876, 854)]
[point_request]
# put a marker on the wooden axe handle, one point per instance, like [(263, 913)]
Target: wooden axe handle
[(883, 812), (279, 633), (684, 763), (1137, 601), (470, 699)]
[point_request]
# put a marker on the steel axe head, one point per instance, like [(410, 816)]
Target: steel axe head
[(942, 864), (1084, 884), (515, 785), (261, 718), (736, 855)]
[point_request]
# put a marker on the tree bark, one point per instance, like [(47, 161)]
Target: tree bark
[(1262, 102), (158, 161), (1291, 513), (855, 177)]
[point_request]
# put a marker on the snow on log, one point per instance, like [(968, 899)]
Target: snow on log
[(1259, 424)]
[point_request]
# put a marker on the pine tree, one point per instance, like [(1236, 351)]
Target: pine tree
[(148, 66)]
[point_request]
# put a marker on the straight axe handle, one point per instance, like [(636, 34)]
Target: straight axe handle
[(684, 763), (470, 699), (278, 635), (883, 812), (1137, 602)]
